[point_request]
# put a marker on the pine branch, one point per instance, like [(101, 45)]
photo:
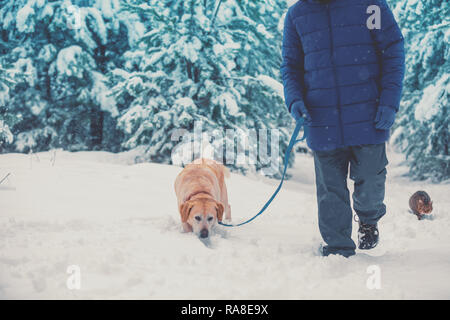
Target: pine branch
[(215, 14)]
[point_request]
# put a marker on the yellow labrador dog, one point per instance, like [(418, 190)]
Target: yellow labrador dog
[(202, 196)]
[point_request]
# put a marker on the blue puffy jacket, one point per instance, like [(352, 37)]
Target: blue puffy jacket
[(341, 69)]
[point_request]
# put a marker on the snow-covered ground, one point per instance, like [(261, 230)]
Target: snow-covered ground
[(118, 222)]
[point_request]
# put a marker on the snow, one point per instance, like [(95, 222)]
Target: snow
[(429, 105), (88, 25), (120, 73), (107, 7), (4, 94), (5, 133), (191, 49), (47, 52), (25, 140), (102, 94), (23, 21), (272, 83), (156, 56), (25, 66), (46, 12), (185, 103), (39, 3), (118, 222), (291, 2), (229, 102), (66, 63), (99, 25), (218, 49), (37, 107), (263, 30)]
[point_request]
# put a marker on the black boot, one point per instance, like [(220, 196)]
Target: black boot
[(367, 236)]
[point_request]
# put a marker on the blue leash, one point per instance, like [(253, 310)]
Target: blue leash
[(291, 145)]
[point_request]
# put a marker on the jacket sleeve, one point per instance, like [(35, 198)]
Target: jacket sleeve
[(292, 67), (390, 46)]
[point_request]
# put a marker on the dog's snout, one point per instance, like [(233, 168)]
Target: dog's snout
[(204, 233)]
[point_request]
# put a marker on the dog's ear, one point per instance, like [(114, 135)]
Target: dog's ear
[(219, 209), (185, 209)]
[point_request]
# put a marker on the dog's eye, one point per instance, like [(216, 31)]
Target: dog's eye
[(198, 218), (210, 218)]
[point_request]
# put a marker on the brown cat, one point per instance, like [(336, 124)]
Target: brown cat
[(420, 204)]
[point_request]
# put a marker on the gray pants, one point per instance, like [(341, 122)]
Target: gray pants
[(368, 171)]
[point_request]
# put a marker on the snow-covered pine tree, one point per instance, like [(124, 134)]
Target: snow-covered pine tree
[(67, 47), (202, 60), (422, 130), (7, 119)]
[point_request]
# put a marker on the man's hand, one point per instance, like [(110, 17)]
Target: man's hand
[(299, 110), (385, 118)]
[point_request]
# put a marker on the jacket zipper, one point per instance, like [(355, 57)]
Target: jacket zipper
[(341, 134)]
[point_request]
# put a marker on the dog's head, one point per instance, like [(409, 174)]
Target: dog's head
[(202, 214), (425, 206)]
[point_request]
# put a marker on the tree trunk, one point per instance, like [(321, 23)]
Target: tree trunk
[(96, 128)]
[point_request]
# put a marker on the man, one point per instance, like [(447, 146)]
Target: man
[(343, 67)]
